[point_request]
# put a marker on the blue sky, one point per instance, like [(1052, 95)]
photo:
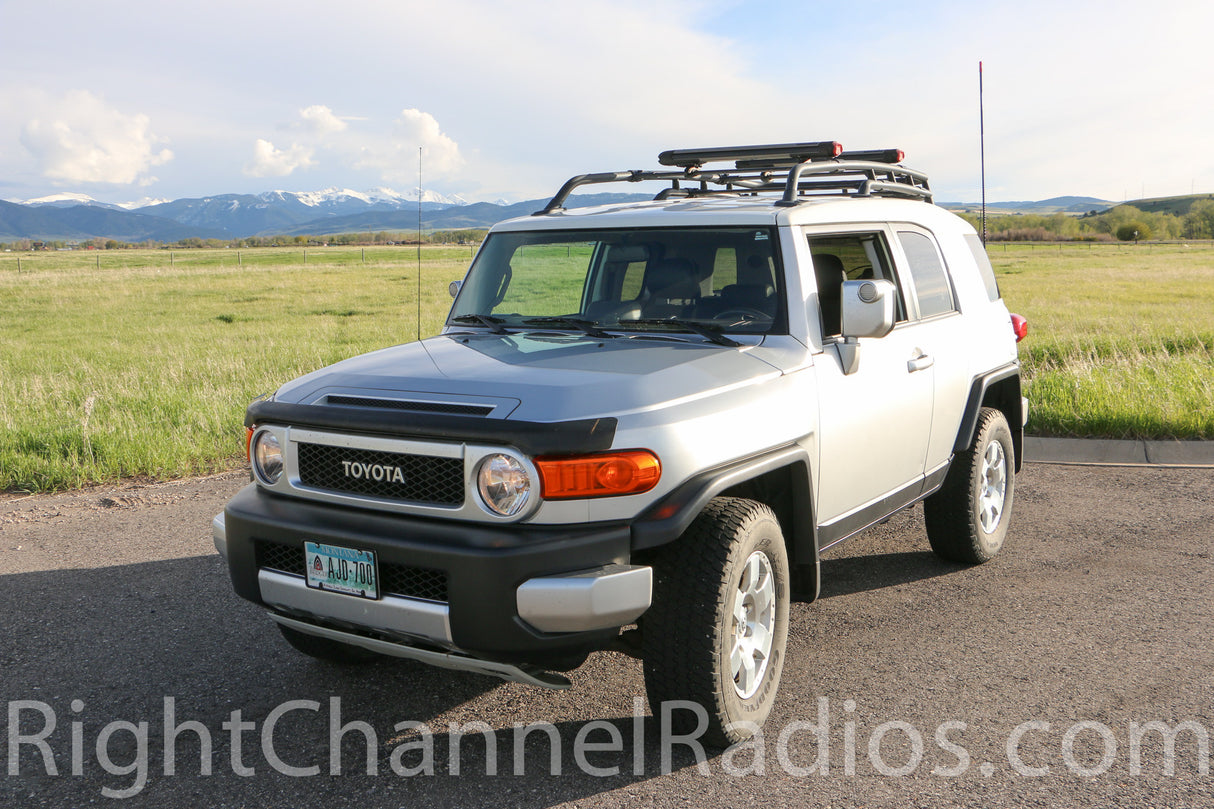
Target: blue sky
[(134, 99)]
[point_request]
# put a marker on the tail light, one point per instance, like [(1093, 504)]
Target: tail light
[(1020, 326)]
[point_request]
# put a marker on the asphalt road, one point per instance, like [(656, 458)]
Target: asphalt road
[(1029, 681)]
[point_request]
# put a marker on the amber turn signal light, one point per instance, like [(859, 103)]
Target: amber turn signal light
[(607, 475)]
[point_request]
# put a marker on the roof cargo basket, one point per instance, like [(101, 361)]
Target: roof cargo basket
[(795, 171)]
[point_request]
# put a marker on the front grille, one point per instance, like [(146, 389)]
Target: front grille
[(401, 580), (280, 557), (383, 475), (414, 582), (447, 408)]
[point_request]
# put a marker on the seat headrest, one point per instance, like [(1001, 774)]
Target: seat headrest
[(673, 278)]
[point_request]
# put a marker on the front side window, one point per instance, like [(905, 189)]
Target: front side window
[(848, 257), (724, 279)]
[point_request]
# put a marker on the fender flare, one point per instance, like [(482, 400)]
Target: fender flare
[(666, 520), (1011, 407)]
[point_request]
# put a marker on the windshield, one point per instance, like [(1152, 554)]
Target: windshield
[(687, 279)]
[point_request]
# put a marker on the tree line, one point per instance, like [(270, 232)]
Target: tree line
[(1123, 223)]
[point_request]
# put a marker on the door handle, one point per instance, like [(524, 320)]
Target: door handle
[(920, 362)]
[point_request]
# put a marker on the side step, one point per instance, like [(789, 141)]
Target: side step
[(446, 660)]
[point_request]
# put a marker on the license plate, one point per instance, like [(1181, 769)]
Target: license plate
[(342, 570)]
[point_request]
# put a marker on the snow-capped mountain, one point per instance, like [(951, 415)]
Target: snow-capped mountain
[(224, 215), (66, 200), (233, 216), (142, 203), (240, 215), (374, 197)]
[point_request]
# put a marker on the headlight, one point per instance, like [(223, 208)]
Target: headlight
[(504, 484), (267, 457)]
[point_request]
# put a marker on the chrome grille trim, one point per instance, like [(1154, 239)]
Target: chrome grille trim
[(466, 456)]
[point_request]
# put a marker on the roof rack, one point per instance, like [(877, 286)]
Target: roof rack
[(794, 170)]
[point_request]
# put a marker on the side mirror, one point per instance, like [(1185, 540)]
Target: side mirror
[(453, 287), (868, 308), (867, 311)]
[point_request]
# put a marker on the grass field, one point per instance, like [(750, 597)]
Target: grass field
[(1121, 340), (140, 363), (144, 367)]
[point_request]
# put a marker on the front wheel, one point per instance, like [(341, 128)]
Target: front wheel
[(716, 632), (967, 518)]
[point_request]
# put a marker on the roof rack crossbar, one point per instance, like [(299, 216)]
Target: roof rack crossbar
[(635, 176), (884, 187), (896, 177)]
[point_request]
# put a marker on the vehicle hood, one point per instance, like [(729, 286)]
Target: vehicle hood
[(541, 377)]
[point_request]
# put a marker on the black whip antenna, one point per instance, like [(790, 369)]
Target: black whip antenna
[(982, 151)]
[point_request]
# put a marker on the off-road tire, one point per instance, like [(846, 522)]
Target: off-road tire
[(979, 488), (331, 651), (688, 633)]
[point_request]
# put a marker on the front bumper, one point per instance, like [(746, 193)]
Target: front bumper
[(517, 593)]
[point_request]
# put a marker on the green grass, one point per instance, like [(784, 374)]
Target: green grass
[(140, 363), (1121, 337), (143, 367)]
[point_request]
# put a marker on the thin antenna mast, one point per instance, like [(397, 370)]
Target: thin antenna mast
[(419, 242), (982, 151)]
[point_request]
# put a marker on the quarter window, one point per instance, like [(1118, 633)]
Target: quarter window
[(984, 265), (932, 289)]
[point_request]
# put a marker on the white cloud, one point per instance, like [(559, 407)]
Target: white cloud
[(270, 161), (81, 139), (319, 120), (396, 159), (531, 92), (440, 153)]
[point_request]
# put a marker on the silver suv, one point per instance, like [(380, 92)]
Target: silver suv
[(639, 429)]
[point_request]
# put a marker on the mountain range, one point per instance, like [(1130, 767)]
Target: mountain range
[(77, 217)]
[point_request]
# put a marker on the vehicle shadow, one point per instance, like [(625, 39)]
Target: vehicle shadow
[(859, 574), (155, 681)]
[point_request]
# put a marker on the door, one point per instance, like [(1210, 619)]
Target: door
[(875, 422)]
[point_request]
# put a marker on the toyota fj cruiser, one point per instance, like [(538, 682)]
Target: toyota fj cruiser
[(640, 427)]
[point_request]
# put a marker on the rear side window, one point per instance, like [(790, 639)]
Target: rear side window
[(932, 289), (984, 266)]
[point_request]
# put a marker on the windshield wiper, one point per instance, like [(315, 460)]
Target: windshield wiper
[(588, 326), (710, 333), (493, 324)]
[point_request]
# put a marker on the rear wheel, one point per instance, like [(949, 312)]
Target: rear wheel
[(967, 519), (326, 649), (716, 632)]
